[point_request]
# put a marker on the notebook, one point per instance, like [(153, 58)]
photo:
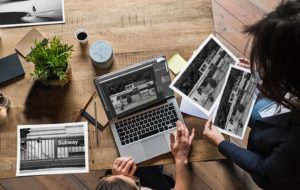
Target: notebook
[(27, 42), (10, 68)]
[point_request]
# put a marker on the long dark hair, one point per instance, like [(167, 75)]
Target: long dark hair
[(275, 53)]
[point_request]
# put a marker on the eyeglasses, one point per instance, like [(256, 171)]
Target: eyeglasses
[(136, 180)]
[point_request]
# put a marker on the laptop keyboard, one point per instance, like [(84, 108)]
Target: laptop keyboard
[(147, 124)]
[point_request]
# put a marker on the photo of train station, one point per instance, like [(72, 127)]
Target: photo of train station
[(55, 148), (212, 72), (236, 103), (133, 91)]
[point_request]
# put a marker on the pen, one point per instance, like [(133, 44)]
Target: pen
[(86, 105), (96, 122)]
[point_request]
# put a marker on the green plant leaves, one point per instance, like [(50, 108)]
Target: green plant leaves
[(51, 59)]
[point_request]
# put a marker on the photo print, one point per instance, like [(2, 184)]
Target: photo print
[(236, 103), (202, 80), (14, 13), (52, 149)]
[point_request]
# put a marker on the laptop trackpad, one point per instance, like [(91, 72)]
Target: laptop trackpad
[(155, 146)]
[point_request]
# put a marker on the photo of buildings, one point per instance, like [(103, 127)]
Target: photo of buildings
[(212, 73), (203, 79), (130, 92), (52, 149), (236, 102)]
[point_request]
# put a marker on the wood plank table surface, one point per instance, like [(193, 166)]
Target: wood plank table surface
[(137, 30)]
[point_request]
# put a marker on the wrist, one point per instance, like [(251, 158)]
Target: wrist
[(181, 161), (219, 142)]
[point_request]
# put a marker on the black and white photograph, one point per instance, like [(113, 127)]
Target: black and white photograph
[(236, 102), (131, 91), (202, 80), (14, 13), (52, 149)]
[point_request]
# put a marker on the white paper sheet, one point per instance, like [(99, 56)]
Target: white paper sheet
[(189, 108)]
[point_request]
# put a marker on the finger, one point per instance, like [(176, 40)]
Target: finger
[(182, 129), (206, 128), (214, 128), (172, 139), (115, 162), (186, 133), (127, 167), (178, 122), (208, 124), (115, 168), (192, 136), (244, 60), (118, 161), (179, 131), (123, 163), (133, 168)]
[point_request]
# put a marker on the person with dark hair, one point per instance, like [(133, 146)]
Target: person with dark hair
[(273, 154), (126, 175)]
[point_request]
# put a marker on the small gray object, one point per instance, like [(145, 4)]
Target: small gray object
[(101, 54)]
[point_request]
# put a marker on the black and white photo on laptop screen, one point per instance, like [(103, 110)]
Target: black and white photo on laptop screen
[(52, 149), (201, 81), (31, 12), (131, 91), (236, 103)]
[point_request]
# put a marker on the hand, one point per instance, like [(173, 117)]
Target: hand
[(181, 145), (124, 166), (244, 62), (211, 134)]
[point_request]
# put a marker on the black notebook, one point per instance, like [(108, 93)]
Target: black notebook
[(10, 68)]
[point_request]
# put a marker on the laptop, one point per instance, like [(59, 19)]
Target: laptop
[(141, 108)]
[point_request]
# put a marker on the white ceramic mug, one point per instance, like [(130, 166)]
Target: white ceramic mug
[(82, 36)]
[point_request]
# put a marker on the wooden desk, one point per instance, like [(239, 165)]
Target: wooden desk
[(137, 30)]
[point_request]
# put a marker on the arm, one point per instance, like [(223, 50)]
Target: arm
[(182, 180), (282, 164), (247, 160), (180, 147)]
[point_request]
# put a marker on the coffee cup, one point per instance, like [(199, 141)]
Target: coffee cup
[(82, 36)]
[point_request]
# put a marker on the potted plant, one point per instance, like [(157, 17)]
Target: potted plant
[(51, 60)]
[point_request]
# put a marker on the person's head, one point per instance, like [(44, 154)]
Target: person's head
[(119, 182), (275, 52)]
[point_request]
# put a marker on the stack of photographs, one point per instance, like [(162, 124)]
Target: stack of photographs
[(213, 83)]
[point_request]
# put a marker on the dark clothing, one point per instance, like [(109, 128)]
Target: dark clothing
[(153, 178), (273, 155)]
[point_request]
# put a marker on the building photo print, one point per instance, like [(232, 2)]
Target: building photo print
[(15, 13), (52, 149), (236, 103), (203, 79)]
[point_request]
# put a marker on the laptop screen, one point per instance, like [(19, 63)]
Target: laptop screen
[(132, 89)]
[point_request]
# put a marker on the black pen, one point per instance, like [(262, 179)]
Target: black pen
[(96, 122)]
